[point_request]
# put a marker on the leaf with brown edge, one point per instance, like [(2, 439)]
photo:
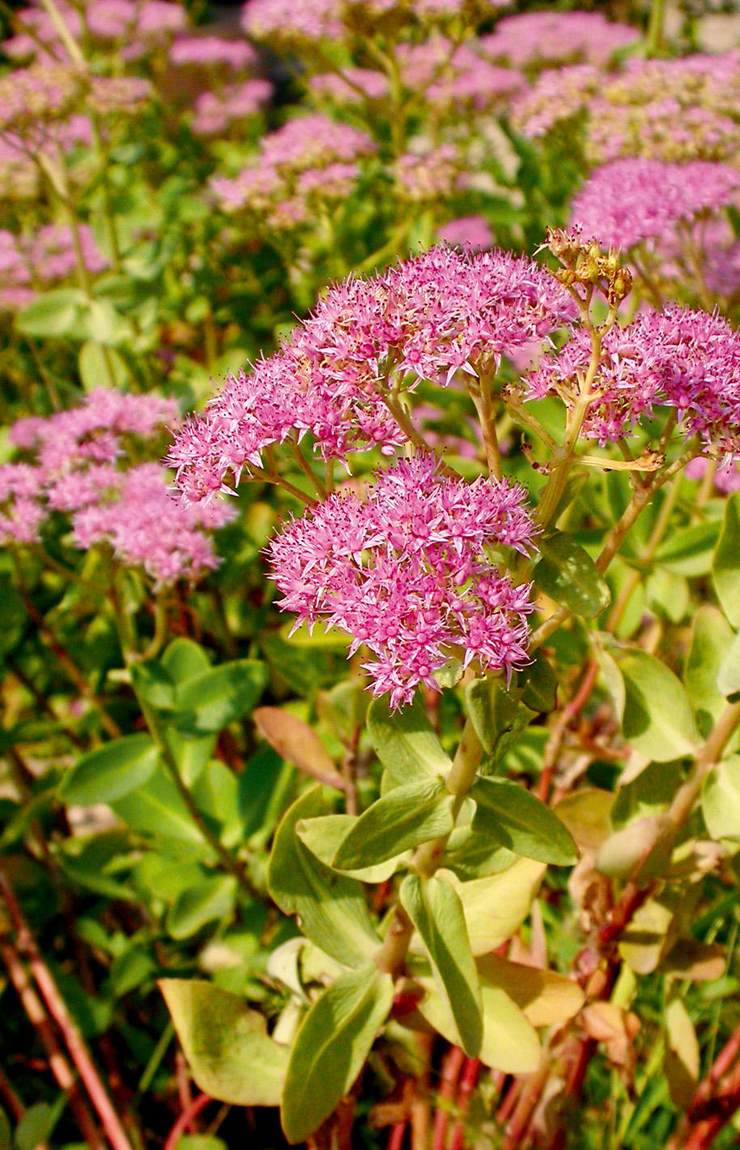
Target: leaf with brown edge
[(544, 997)]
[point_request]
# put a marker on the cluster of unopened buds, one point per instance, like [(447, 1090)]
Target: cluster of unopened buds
[(586, 264)]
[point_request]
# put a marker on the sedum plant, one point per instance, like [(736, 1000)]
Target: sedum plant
[(465, 594)]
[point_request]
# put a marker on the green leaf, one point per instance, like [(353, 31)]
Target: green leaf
[(211, 900), (405, 742), (157, 809), (34, 1127), (406, 817), (324, 835), (96, 366), (720, 800), (688, 550), (331, 907), (657, 720), (509, 1042), (568, 575), (587, 815), (210, 701), (6, 1134), (492, 710), (726, 565), (51, 314), (331, 1048), (226, 1044), (497, 905), (682, 1057), (437, 913), (539, 684), (109, 773), (711, 639), (152, 683), (513, 817), (728, 677), (667, 595), (184, 659)]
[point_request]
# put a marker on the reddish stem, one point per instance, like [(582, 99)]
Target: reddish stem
[(395, 1138), (186, 1118), (55, 1004), (451, 1067), (468, 1083)]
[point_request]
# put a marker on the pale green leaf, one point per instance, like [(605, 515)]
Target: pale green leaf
[(512, 816), (332, 907), (110, 772), (437, 913), (720, 800), (658, 720), (711, 638), (497, 905), (405, 742), (229, 1052), (726, 565), (404, 818), (331, 1048)]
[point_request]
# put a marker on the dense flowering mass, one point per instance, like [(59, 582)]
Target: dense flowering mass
[(308, 143), (74, 467), (688, 360), (672, 110), (545, 39), (137, 25), (426, 318), (212, 52), (628, 202), (283, 20), (404, 573)]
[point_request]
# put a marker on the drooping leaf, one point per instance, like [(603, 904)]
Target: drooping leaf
[(587, 815), (229, 1052), (405, 742), (110, 772), (726, 564), (497, 905), (331, 1047), (682, 1058), (298, 743), (437, 913), (658, 720), (405, 817), (568, 575), (720, 800), (512, 816), (545, 997), (331, 906), (711, 638)]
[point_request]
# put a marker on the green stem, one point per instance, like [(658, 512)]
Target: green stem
[(654, 44)]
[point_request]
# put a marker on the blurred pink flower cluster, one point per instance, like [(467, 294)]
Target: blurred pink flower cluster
[(73, 466), (403, 572), (46, 257), (132, 25), (308, 144), (548, 39)]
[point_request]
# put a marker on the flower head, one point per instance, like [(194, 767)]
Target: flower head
[(684, 359), (404, 572)]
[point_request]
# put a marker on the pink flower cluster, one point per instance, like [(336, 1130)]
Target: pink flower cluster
[(467, 232), (136, 23), (404, 573), (216, 112), (44, 258), (74, 469), (428, 174), (688, 360), (672, 110), (456, 77), (632, 201), (308, 143), (546, 39), (282, 20), (426, 318), (212, 52)]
